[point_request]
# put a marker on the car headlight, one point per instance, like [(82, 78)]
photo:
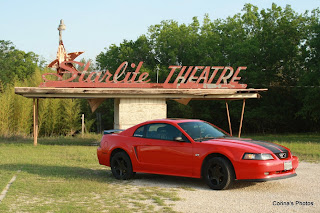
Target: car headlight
[(254, 156)]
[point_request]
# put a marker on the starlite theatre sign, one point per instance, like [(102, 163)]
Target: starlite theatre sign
[(180, 77)]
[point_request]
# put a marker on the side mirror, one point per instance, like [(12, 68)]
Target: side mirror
[(179, 139)]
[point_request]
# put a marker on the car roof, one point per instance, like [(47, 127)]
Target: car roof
[(174, 120)]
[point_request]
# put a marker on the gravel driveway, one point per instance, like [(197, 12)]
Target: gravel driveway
[(297, 194)]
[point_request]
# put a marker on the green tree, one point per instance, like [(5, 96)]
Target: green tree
[(16, 63), (279, 47), (309, 89)]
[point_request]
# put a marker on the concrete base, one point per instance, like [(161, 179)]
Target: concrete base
[(131, 111)]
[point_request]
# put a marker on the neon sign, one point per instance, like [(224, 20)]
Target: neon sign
[(180, 77)]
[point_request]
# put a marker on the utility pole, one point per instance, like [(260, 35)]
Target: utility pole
[(82, 125), (157, 69)]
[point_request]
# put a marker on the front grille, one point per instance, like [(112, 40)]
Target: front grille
[(282, 155)]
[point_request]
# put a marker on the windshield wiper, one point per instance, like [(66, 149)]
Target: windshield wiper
[(223, 136), (198, 139), (205, 138), (208, 138)]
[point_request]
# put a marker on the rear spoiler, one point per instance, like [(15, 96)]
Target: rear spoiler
[(111, 131)]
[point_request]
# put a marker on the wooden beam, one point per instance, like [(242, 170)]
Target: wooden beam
[(242, 113), (228, 114), (35, 121), (101, 93), (82, 125), (24, 90)]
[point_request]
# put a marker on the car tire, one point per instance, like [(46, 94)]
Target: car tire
[(121, 166), (218, 173)]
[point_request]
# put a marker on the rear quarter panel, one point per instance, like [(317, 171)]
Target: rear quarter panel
[(110, 143)]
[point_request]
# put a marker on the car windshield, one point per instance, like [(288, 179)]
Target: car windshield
[(200, 131)]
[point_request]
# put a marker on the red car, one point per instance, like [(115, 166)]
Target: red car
[(193, 148)]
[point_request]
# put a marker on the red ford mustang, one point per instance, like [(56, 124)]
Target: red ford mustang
[(193, 148)]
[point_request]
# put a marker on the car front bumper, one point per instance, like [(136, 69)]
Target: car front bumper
[(258, 170)]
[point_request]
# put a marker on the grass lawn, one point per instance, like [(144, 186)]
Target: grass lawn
[(63, 175)]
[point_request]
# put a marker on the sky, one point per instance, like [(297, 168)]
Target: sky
[(94, 25)]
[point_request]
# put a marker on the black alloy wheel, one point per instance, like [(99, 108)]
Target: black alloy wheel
[(218, 173), (121, 166)]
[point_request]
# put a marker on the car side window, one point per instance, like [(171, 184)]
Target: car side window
[(139, 132), (164, 132)]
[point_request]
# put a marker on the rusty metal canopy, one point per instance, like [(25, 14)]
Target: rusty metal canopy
[(92, 93)]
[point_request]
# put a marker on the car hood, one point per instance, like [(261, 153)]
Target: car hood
[(275, 148)]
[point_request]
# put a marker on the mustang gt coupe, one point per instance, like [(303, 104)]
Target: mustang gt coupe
[(193, 148)]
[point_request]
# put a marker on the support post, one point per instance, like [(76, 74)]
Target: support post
[(82, 125), (228, 114), (242, 113), (35, 121)]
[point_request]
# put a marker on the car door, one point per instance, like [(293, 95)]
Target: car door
[(160, 153)]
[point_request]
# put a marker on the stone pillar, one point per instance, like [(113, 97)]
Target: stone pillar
[(131, 111)]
